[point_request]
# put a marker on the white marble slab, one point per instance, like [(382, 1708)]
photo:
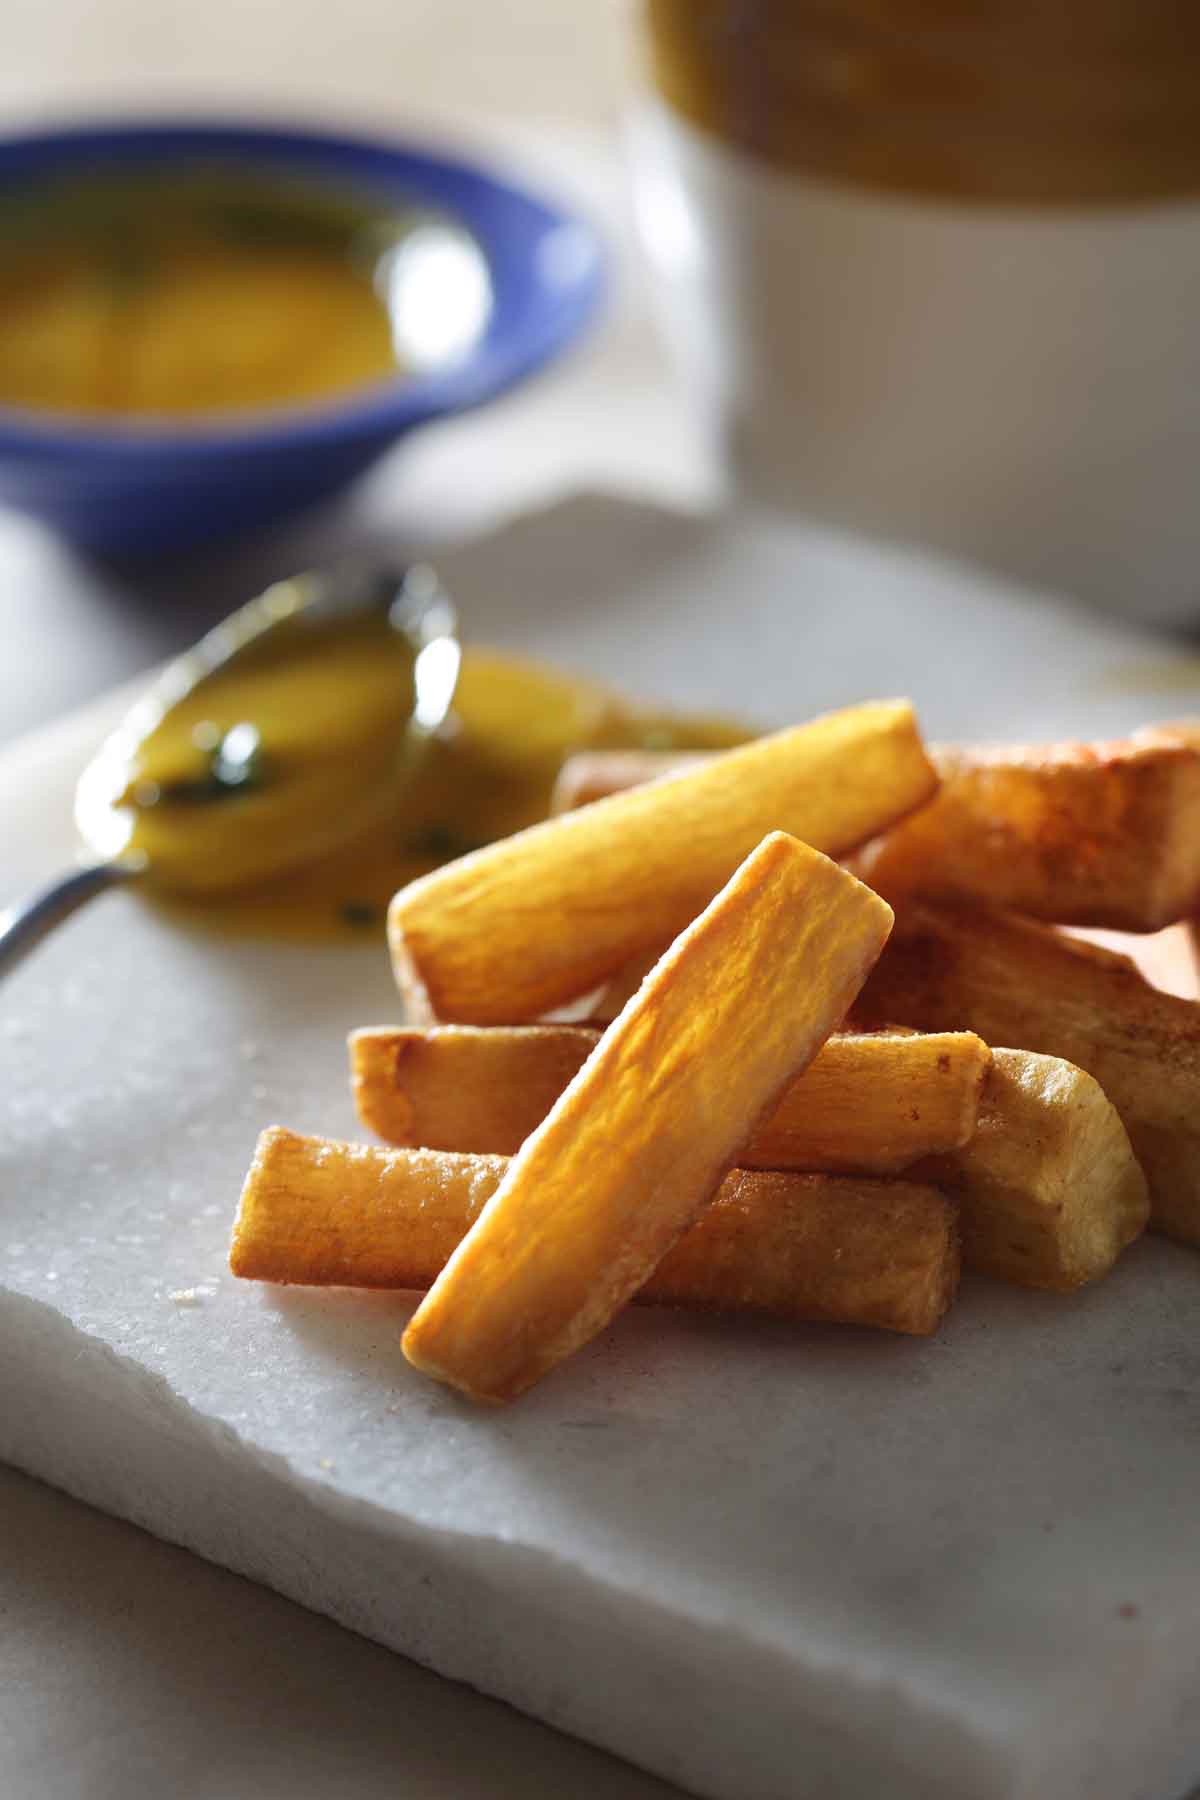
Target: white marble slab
[(761, 1562)]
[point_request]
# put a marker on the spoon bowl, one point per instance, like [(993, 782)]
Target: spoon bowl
[(287, 733)]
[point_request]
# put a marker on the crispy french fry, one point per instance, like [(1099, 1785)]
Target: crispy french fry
[(1023, 984), (865, 1105), (595, 774), (515, 929), (1049, 1188), (1101, 834), (849, 1249), (326, 1214), (1104, 834), (857, 1252), (1050, 1191), (480, 1088), (633, 1150)]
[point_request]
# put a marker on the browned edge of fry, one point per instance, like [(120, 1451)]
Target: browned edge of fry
[(1049, 1187), (1103, 833), (1024, 984), (637, 1144), (838, 1249), (866, 1105), (532, 922)]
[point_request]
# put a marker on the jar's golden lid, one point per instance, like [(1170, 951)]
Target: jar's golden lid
[(1003, 101)]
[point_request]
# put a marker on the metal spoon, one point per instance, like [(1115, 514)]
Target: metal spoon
[(415, 619)]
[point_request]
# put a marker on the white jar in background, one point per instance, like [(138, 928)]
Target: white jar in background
[(940, 282)]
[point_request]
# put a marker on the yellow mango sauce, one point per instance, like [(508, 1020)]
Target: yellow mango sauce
[(191, 292), (334, 745)]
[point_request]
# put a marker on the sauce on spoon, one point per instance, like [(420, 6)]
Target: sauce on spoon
[(305, 762)]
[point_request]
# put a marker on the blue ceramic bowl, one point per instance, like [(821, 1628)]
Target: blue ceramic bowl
[(116, 488)]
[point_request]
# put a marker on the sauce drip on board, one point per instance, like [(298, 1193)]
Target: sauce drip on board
[(287, 794), (488, 774)]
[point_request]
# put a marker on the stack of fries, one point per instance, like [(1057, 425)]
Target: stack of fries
[(770, 1100)]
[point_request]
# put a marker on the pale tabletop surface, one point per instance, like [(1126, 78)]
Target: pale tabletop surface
[(128, 1666)]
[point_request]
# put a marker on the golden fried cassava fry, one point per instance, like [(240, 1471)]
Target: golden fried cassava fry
[(865, 1105), (1049, 1189), (1079, 834), (849, 1249), (322, 1213), (1103, 834), (855, 1252), (463, 1087), (1023, 984), (633, 1150), (515, 929)]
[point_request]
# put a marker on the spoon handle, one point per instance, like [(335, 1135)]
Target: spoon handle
[(24, 925)]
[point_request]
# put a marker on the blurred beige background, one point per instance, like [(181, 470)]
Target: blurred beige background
[(395, 59)]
